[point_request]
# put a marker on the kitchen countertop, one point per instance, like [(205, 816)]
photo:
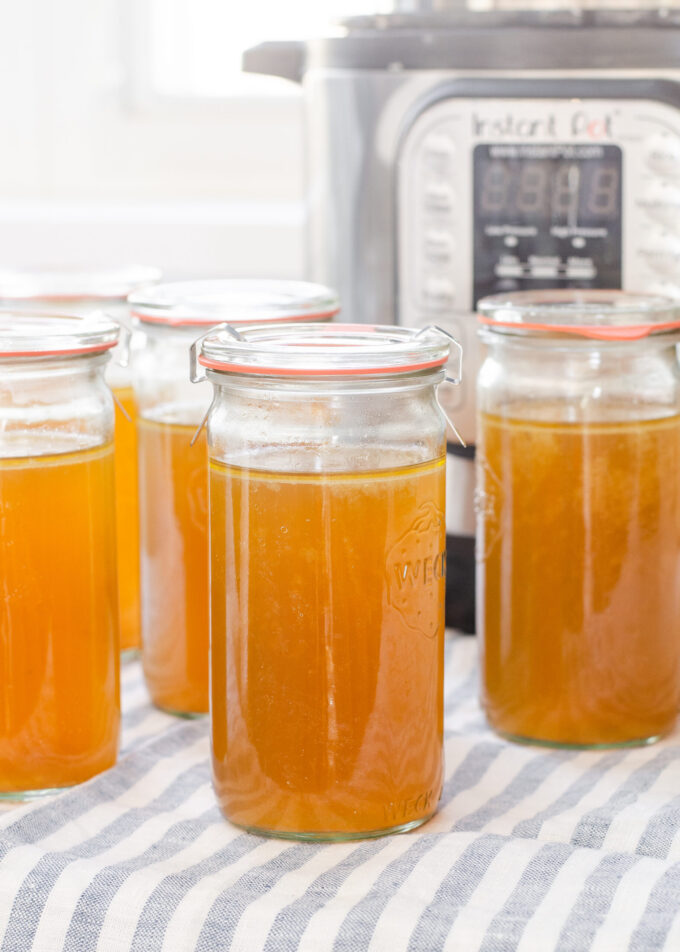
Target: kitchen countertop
[(531, 849)]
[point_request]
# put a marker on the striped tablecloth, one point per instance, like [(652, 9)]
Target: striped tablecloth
[(531, 850)]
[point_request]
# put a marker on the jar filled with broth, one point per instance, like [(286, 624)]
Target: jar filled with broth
[(327, 538), (59, 638), (174, 467), (578, 544), (81, 291)]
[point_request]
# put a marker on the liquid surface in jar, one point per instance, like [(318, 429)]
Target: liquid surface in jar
[(127, 520), (59, 696), (174, 550), (327, 647), (580, 598)]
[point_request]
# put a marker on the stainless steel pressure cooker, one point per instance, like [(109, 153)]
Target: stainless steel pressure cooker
[(453, 154)]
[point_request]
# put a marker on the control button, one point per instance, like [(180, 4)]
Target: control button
[(509, 266), (661, 201), (439, 196), (661, 251), (662, 153), (580, 269), (544, 267), (439, 144), (438, 150), (438, 246), (509, 270), (438, 292), (544, 271)]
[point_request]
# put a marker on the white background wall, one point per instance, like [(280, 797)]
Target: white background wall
[(94, 168)]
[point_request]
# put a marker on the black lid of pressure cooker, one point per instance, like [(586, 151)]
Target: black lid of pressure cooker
[(499, 40)]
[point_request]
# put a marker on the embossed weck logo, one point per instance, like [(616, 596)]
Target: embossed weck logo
[(415, 564)]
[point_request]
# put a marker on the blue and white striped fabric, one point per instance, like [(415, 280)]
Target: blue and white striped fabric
[(531, 850)]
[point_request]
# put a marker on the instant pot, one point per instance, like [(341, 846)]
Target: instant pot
[(454, 154)]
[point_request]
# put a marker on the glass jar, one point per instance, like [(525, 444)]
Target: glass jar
[(174, 468), (80, 292), (578, 541), (59, 645), (327, 535)]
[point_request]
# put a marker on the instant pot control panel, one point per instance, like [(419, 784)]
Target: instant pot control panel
[(512, 194)]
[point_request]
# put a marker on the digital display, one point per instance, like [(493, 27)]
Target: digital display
[(571, 191), (546, 216)]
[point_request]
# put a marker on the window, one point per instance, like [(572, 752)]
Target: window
[(135, 136), (196, 45)]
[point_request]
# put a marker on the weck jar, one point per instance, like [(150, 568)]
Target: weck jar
[(173, 472), (59, 638), (80, 291), (578, 499), (327, 537)]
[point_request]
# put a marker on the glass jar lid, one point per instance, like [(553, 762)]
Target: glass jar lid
[(74, 284), (323, 350), (595, 314), (25, 334), (236, 300)]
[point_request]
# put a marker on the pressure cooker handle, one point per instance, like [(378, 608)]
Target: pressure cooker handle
[(283, 58)]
